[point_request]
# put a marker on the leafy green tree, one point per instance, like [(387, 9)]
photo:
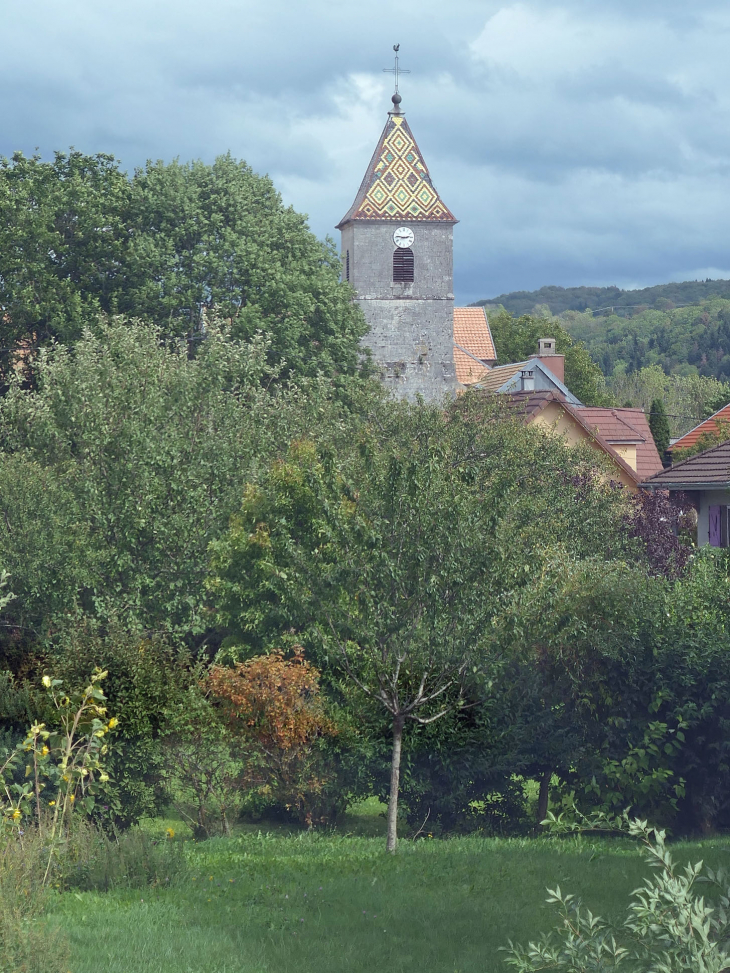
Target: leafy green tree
[(63, 244), (205, 236), (78, 237), (125, 460), (715, 402), (687, 398), (659, 425), (390, 561), (516, 339), (390, 567)]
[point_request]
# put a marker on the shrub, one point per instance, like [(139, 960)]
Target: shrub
[(153, 687), (669, 927), (204, 779), (274, 707)]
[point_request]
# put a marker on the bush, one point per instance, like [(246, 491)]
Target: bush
[(152, 686), (274, 708), (669, 927)]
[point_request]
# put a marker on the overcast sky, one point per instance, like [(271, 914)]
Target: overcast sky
[(580, 142)]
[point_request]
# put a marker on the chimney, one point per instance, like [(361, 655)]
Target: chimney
[(527, 380), (546, 354)]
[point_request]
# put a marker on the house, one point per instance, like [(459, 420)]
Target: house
[(706, 479), (715, 424), (625, 440), (543, 372), (627, 432), (474, 352)]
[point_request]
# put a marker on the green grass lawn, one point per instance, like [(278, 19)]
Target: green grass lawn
[(309, 903)]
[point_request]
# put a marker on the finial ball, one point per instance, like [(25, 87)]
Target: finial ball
[(396, 99)]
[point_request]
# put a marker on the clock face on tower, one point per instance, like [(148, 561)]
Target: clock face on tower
[(403, 237)]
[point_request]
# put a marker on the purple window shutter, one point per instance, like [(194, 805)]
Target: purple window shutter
[(714, 511)]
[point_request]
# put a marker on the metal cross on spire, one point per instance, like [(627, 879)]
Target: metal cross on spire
[(397, 71)]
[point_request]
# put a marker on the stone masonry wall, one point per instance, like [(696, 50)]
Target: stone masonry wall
[(411, 325)]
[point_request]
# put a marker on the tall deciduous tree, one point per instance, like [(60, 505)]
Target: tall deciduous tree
[(125, 460), (391, 561), (78, 237), (389, 565)]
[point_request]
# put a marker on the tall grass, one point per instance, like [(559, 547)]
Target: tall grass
[(95, 861), (86, 859), (28, 942)]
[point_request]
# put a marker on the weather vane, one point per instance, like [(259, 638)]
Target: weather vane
[(397, 71)]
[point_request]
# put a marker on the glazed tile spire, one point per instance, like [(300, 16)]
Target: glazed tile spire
[(397, 185)]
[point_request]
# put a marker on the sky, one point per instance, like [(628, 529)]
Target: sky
[(580, 142)]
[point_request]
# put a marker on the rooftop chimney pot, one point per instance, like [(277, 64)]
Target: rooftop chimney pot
[(527, 380)]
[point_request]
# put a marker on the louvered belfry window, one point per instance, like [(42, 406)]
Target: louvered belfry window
[(403, 266)]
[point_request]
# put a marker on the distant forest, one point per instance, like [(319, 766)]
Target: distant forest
[(559, 299), (684, 328)]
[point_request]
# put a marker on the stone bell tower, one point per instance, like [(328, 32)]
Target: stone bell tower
[(397, 252)]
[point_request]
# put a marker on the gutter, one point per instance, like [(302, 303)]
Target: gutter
[(687, 487)]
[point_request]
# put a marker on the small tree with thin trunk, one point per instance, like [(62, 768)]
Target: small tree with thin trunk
[(383, 565)]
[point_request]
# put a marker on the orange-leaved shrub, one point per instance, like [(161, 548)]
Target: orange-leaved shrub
[(274, 706)]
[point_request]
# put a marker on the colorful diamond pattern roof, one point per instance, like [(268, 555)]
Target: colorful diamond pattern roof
[(397, 184)]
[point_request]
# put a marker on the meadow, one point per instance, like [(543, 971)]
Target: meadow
[(323, 903)]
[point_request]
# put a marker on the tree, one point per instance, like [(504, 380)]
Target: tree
[(78, 237), (125, 460), (389, 560), (218, 236), (516, 339), (659, 425), (63, 242), (389, 565), (273, 706), (687, 398)]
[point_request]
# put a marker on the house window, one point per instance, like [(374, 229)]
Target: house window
[(403, 266), (719, 524), (347, 266)]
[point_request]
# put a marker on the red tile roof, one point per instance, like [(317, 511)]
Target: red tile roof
[(708, 426), (530, 404), (473, 344), (626, 426)]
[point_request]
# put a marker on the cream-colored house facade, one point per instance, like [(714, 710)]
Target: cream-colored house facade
[(617, 434)]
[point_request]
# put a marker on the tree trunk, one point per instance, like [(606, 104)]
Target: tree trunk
[(542, 799), (394, 782)]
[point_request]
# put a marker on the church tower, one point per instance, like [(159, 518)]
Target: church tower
[(397, 252)]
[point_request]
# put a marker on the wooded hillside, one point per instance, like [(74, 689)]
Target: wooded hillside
[(559, 299), (682, 340)]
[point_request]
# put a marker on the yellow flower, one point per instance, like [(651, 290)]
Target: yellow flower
[(47, 682), (45, 750), (103, 777), (51, 803), (72, 797), (170, 832), (16, 814), (113, 722)]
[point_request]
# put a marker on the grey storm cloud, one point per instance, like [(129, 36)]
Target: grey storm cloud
[(577, 142)]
